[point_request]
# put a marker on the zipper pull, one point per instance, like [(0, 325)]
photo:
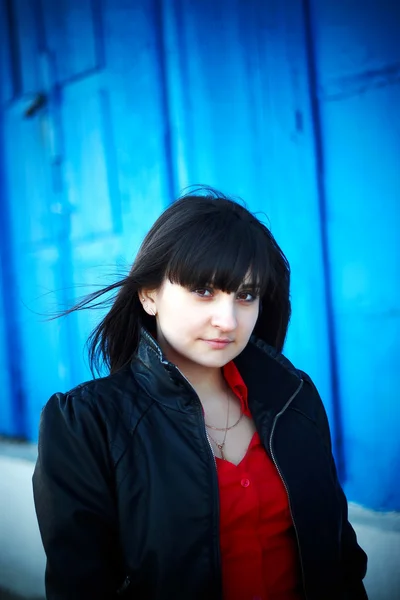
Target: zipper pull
[(121, 590)]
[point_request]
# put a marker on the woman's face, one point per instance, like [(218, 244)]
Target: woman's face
[(204, 326)]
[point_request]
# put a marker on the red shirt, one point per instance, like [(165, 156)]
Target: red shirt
[(258, 543)]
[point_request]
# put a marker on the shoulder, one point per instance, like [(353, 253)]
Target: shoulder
[(316, 408), (104, 402), (93, 421), (106, 388)]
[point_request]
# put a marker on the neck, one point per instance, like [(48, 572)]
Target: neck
[(207, 382)]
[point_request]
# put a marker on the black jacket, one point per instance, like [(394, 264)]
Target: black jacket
[(126, 488)]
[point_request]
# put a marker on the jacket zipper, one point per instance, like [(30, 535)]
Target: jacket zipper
[(292, 397), (284, 482), (219, 567), (205, 429), (217, 510)]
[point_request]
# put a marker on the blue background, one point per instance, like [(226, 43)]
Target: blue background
[(108, 109)]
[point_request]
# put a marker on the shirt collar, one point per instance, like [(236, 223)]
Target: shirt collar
[(237, 385)]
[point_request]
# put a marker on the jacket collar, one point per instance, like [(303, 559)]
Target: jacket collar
[(270, 378), (161, 379), (272, 382)]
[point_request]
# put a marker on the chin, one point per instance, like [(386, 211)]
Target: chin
[(217, 361)]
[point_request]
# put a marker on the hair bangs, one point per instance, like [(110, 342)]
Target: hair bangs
[(226, 255)]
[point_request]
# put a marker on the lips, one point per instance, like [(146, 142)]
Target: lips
[(218, 343)]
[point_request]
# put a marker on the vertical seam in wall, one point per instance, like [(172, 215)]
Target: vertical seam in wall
[(166, 109), (97, 9), (10, 307), (14, 50), (186, 106), (320, 178), (40, 26), (253, 84)]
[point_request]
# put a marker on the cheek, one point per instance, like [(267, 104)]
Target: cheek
[(176, 317), (169, 318)]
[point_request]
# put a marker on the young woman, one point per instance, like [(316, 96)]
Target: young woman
[(200, 468)]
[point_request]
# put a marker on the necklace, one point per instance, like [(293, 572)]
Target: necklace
[(226, 428), (227, 421), (221, 445)]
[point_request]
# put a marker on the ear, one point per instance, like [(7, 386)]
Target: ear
[(148, 300)]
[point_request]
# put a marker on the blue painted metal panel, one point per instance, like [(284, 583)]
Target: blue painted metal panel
[(209, 79), (363, 182), (124, 157), (38, 279), (139, 115), (86, 170), (73, 36), (358, 67), (95, 136), (354, 39), (143, 98)]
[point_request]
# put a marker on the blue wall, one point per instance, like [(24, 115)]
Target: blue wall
[(359, 100), (108, 109)]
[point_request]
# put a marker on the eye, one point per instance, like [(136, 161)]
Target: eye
[(247, 297), (203, 292)]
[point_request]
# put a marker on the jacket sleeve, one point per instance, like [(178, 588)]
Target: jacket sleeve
[(74, 501), (354, 559)]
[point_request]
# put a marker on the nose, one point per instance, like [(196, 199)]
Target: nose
[(224, 313)]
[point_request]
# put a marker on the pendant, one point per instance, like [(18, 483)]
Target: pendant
[(221, 449)]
